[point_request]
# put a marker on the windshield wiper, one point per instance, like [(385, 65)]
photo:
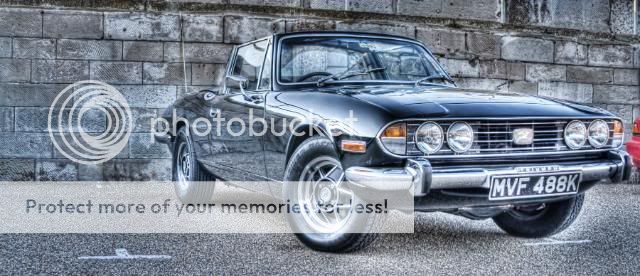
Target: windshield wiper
[(434, 77), (347, 74)]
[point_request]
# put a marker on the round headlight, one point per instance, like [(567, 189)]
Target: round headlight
[(598, 133), (460, 137), (575, 134), (429, 137)]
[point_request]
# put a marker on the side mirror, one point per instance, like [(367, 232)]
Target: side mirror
[(236, 82)]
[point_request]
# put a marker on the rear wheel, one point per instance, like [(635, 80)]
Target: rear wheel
[(540, 220), (315, 179), (193, 183)]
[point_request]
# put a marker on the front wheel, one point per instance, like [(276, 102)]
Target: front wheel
[(540, 220), (315, 182)]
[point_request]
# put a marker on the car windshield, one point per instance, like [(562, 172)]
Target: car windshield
[(355, 59)]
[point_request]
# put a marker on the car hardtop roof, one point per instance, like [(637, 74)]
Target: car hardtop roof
[(342, 33), (330, 33)]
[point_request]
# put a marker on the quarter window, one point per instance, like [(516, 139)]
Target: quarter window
[(249, 62)]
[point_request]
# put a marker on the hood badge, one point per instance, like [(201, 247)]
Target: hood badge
[(523, 136)]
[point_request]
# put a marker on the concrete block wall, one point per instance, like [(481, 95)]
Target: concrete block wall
[(136, 46)]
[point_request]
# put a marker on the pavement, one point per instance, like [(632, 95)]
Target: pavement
[(605, 239)]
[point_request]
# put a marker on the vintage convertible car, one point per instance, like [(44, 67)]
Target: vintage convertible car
[(523, 161)]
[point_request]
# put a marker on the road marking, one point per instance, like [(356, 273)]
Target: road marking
[(549, 241), (123, 254)]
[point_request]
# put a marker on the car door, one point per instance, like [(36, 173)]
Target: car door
[(236, 141)]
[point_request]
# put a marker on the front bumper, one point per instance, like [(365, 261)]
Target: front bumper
[(419, 177)]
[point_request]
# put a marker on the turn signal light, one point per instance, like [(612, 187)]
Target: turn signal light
[(636, 128), (618, 134), (395, 131), (394, 138), (354, 146), (617, 127)]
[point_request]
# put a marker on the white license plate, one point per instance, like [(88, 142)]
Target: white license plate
[(519, 186)]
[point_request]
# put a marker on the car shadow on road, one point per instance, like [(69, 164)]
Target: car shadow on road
[(433, 231), (447, 230)]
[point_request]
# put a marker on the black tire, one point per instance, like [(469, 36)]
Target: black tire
[(553, 219), (311, 149), (196, 187)]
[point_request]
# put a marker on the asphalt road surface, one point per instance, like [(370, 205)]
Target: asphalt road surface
[(604, 240)]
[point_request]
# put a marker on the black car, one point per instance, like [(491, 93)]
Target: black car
[(523, 161)]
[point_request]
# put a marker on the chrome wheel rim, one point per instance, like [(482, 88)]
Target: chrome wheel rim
[(183, 165), (324, 196)]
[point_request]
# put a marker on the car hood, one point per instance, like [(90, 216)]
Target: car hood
[(438, 101)]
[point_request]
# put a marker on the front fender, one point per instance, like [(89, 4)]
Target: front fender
[(303, 131)]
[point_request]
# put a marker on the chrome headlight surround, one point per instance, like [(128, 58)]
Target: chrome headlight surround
[(618, 134), (598, 133), (460, 137), (429, 137), (394, 138), (575, 135)]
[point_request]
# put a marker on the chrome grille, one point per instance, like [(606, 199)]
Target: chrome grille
[(496, 137)]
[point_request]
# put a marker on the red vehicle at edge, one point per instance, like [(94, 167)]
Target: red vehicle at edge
[(633, 146)]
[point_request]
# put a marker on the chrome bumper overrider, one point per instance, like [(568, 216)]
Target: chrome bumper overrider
[(418, 175)]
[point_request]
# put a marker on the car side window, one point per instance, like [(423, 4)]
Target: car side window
[(249, 62)]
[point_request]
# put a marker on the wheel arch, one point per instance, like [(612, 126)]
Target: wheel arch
[(307, 130)]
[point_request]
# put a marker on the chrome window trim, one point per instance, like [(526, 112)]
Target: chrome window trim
[(454, 156), (264, 59)]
